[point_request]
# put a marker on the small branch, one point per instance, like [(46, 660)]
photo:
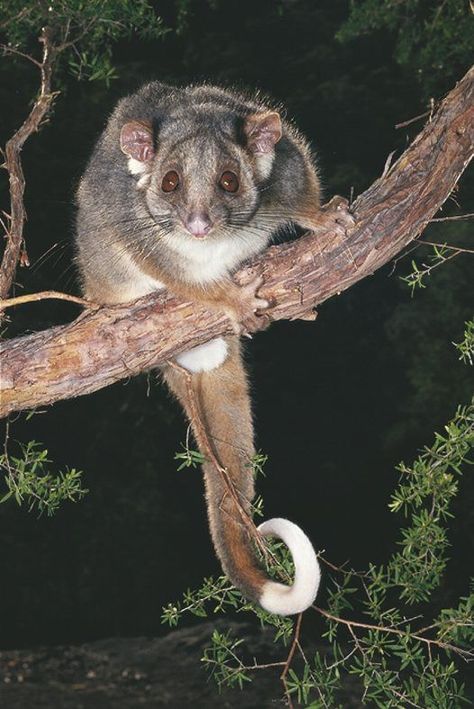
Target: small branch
[(13, 165), (467, 655), (13, 50), (358, 647), (266, 666), (427, 270), (414, 119), (241, 667), (65, 44), (457, 249), (342, 570), (419, 117), (5, 448), (453, 219), (289, 659), (47, 295)]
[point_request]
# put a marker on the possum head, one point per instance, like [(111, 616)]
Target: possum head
[(201, 179)]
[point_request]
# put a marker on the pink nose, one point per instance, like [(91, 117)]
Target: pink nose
[(198, 224)]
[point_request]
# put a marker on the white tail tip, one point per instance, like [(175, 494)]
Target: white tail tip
[(289, 600)]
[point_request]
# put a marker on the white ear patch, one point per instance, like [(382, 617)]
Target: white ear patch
[(135, 167), (144, 181), (205, 357), (264, 164)]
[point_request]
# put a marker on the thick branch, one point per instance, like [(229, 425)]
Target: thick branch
[(106, 345)]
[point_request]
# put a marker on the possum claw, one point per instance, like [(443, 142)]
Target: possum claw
[(244, 313), (338, 215)]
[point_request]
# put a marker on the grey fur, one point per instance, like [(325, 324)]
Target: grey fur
[(200, 128)]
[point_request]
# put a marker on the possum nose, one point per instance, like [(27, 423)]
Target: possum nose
[(198, 224)]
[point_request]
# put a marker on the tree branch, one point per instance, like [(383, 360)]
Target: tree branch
[(17, 217), (109, 344)]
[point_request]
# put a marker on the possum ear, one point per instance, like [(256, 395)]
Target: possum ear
[(136, 141), (263, 131)]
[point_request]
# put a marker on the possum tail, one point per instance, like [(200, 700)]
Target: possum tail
[(217, 403)]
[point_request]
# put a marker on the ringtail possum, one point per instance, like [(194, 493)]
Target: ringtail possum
[(183, 186)]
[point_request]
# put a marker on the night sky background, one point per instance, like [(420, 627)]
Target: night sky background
[(338, 403)]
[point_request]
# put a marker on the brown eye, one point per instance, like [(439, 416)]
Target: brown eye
[(170, 181), (229, 181)]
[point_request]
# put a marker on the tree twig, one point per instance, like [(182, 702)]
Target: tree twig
[(457, 249), (13, 165), (459, 217), (47, 295), (414, 119), (289, 659), (18, 53), (467, 655), (419, 117)]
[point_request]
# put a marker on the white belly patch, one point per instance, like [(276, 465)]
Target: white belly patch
[(205, 357)]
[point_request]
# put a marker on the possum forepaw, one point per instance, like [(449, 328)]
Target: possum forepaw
[(336, 214), (246, 311)]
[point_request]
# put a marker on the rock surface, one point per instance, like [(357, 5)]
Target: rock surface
[(130, 673)]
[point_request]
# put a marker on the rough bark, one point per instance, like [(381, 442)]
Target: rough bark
[(109, 344)]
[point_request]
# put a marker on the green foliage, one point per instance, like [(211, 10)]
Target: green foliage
[(29, 482), (398, 658), (466, 346), (82, 33), (456, 625), (258, 462), (434, 39), (189, 458), (419, 273), (224, 664), (425, 493), (219, 596), (321, 674)]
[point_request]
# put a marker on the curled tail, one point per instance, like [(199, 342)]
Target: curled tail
[(217, 403), (287, 600)]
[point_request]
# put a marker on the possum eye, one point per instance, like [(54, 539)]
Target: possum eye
[(229, 181), (170, 181)]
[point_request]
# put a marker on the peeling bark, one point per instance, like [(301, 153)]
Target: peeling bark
[(109, 344)]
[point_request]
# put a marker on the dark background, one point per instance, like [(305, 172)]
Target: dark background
[(338, 403)]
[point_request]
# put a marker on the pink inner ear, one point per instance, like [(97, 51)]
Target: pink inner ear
[(263, 131), (136, 141)]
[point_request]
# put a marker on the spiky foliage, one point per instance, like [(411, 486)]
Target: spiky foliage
[(380, 626)]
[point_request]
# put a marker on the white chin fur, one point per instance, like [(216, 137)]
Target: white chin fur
[(205, 357), (288, 600)]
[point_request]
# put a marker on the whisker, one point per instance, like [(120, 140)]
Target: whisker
[(48, 254)]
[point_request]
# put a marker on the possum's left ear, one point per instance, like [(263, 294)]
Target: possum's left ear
[(263, 131), (136, 141)]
